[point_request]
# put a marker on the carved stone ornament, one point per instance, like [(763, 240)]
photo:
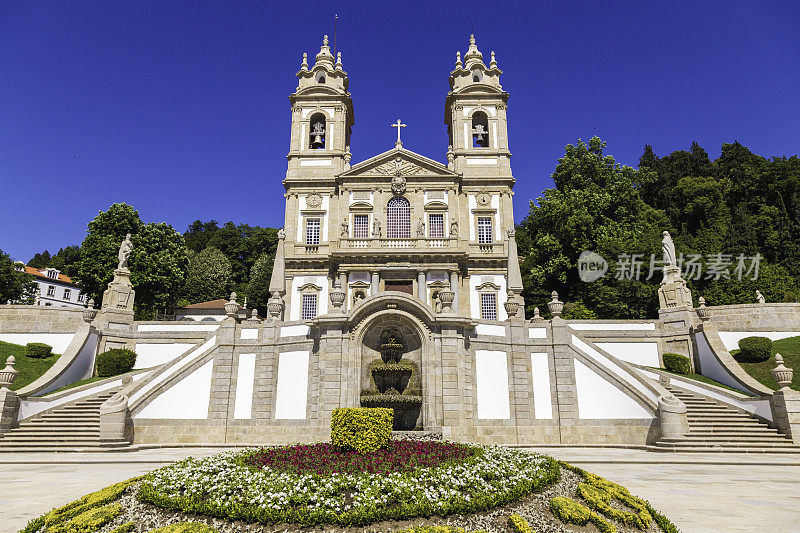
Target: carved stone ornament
[(398, 185), (314, 200), (483, 199)]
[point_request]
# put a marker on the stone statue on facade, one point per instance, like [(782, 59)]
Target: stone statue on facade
[(281, 233), (125, 252), (376, 229), (421, 228), (345, 228), (760, 297), (668, 247), (454, 229)]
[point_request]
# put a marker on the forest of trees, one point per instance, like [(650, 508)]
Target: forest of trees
[(739, 206)]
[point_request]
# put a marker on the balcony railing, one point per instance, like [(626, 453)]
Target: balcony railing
[(398, 243)]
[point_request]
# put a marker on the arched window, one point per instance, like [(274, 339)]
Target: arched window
[(480, 130), (477, 76), (398, 218), (316, 138), (320, 77)]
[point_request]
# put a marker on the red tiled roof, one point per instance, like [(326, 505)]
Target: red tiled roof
[(212, 304), (35, 272)]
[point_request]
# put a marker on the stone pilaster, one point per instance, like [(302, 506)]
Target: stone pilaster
[(374, 286), (9, 407), (785, 405), (564, 385), (422, 286), (456, 408), (454, 288)]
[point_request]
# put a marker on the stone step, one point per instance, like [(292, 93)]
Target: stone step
[(722, 449), (40, 431), (720, 414), (50, 423), (76, 416), (50, 439), (716, 430), (736, 440)]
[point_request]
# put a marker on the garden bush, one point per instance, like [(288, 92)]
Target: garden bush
[(519, 524), (185, 527), (362, 429), (754, 350), (38, 350), (114, 362), (677, 363)]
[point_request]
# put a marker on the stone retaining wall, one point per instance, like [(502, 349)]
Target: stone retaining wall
[(39, 319)]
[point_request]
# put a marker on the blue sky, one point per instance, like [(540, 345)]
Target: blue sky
[(181, 110)]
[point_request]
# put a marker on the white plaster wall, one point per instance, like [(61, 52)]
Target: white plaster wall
[(599, 399), (293, 331), (490, 329), (491, 374), (498, 231), (297, 300), (178, 327), (537, 333), (475, 280), (542, 397), (200, 318), (291, 395), (472, 203), (638, 353), (731, 338), (249, 333), (188, 399), (81, 367), (59, 341), (245, 376), (711, 367), (651, 326), (150, 354)]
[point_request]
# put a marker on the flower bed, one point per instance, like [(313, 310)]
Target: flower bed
[(239, 485), (324, 459)]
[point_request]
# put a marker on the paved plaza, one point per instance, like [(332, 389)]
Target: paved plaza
[(699, 492)]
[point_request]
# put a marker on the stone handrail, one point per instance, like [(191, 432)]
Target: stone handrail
[(76, 363), (717, 363)]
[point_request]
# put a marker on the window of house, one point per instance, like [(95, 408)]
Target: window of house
[(480, 130), (488, 306), (51, 290), (52, 274), (360, 226), (312, 231), (308, 309), (316, 138), (67, 294), (398, 218), (484, 230), (436, 225), (81, 297)]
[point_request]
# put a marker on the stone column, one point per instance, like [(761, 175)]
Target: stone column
[(454, 288), (421, 285), (373, 288)]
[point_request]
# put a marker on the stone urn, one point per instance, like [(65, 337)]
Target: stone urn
[(8, 374), (232, 307), (275, 306), (337, 296), (446, 297), (782, 373), (89, 312), (512, 306), (391, 377), (703, 312), (555, 305)]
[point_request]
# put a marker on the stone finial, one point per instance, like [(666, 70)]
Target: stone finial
[(703, 311), (511, 305), (536, 316), (304, 64), (89, 312), (555, 305), (324, 40), (254, 318), (232, 307), (493, 62), (473, 55), (458, 60), (339, 60), (782, 373), (8, 374), (325, 56), (275, 306)]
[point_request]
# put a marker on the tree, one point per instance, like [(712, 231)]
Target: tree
[(98, 253), (258, 288), (158, 267), (208, 276), (16, 285), (40, 260)]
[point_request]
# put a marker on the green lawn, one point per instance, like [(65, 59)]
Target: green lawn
[(29, 369), (790, 350), (699, 377)]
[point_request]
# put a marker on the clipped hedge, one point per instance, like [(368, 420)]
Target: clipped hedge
[(754, 350), (38, 350), (571, 512), (363, 429), (185, 527), (519, 524), (677, 363), (114, 362)]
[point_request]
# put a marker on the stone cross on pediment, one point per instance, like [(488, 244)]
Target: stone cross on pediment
[(398, 125)]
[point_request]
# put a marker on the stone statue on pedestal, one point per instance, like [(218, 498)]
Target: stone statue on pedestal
[(668, 247), (673, 291), (124, 252)]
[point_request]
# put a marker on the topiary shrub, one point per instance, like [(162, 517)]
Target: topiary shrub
[(38, 350), (519, 524), (754, 350), (185, 527), (114, 362), (677, 363), (363, 429)]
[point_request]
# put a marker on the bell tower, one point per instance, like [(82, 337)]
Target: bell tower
[(322, 117), (475, 115)]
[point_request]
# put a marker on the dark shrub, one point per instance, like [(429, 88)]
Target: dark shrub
[(114, 362), (677, 363), (754, 350), (38, 350)]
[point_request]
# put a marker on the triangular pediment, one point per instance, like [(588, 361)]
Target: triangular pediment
[(399, 161)]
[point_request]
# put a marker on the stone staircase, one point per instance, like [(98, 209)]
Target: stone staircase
[(74, 426), (718, 427)]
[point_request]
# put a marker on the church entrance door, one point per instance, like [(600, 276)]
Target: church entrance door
[(400, 286)]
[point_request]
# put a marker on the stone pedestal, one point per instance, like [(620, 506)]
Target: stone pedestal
[(673, 291), (9, 406), (785, 405), (672, 412), (113, 414), (118, 299)]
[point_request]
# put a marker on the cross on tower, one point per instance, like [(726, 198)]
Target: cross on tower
[(398, 125)]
